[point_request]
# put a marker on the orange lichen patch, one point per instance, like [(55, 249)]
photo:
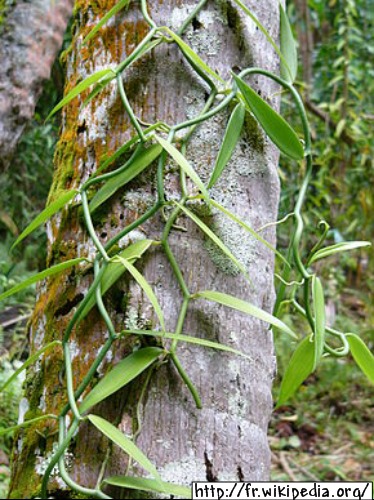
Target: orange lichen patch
[(134, 34)]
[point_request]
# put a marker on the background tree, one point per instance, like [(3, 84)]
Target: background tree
[(31, 35), (227, 437)]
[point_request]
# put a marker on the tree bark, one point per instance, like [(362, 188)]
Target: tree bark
[(31, 35), (227, 439)]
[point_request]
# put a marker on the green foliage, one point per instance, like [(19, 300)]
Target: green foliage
[(362, 355), (126, 444), (123, 373), (338, 99), (298, 369), (279, 131), (229, 142), (320, 320), (112, 12), (137, 483), (50, 271), (288, 48), (245, 307), (81, 87), (184, 164), (113, 272), (30, 361), (9, 405), (137, 163), (46, 214)]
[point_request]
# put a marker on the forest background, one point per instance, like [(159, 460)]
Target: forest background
[(326, 431)]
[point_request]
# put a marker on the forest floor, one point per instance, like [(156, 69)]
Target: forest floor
[(327, 434), (326, 431)]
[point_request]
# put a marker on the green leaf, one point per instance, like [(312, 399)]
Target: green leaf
[(142, 484), (29, 362), (115, 270), (339, 247), (187, 51), (320, 319), (183, 163), (26, 424), (263, 31), (278, 130), (340, 127), (78, 89), (146, 48), (288, 48), (58, 268), (145, 286), (119, 152), (140, 163), (229, 142), (98, 87), (125, 444), (361, 354), (123, 373), (213, 237), (46, 214), (245, 307), (189, 339), (298, 369), (249, 229), (113, 11)]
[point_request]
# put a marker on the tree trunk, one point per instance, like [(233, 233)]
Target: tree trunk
[(31, 34), (227, 438)]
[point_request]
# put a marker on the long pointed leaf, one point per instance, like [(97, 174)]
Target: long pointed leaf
[(125, 443), (263, 30), (58, 268), (244, 307), (278, 130), (31, 360), (288, 48), (140, 163), (98, 87), (146, 288), (190, 340), (119, 152), (112, 12), (186, 49), (102, 83), (320, 319), (123, 373), (78, 89), (26, 424), (213, 237), (249, 229), (183, 163), (46, 214), (142, 484), (339, 247), (229, 142), (298, 369), (115, 270), (361, 354)]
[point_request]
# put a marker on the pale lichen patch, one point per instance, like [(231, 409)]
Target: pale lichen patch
[(23, 409), (181, 471)]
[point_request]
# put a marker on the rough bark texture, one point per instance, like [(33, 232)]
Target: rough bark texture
[(31, 34), (227, 439)]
